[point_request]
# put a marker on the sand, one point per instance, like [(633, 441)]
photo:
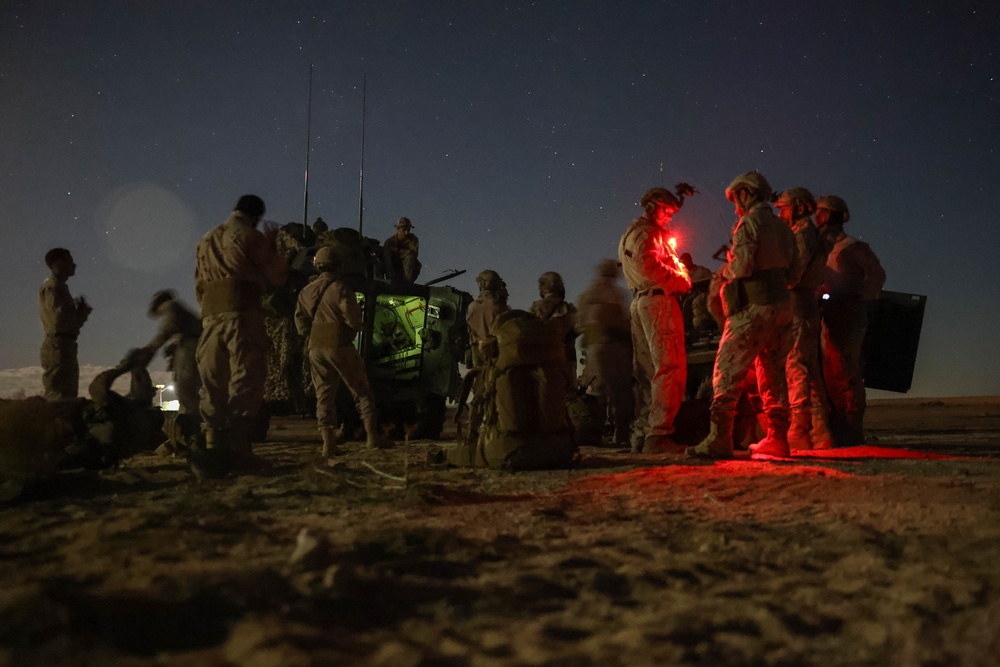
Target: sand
[(883, 555)]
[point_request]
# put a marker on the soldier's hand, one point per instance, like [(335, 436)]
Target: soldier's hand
[(82, 307)]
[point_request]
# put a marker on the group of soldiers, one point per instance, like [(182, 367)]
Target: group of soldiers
[(806, 360), (791, 300), (767, 297), (219, 358)]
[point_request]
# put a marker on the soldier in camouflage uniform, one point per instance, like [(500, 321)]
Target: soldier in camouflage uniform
[(234, 263), (758, 320), (178, 334), (62, 317), (553, 307), (401, 253), (603, 318), (656, 277), (853, 280), (807, 400), (328, 314), (285, 387)]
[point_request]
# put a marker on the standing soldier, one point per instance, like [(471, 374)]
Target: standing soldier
[(853, 280), (553, 307), (758, 320), (656, 276), (62, 317), (401, 250), (233, 264), (179, 331), (480, 316), (807, 399), (328, 314), (603, 319)]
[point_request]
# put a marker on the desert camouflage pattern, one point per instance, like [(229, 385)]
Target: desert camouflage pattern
[(553, 308), (232, 351), (605, 323), (62, 319), (326, 300), (853, 279), (804, 368), (401, 257), (659, 361), (757, 334)]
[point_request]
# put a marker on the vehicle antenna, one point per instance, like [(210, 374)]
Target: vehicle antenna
[(361, 175), (661, 174), (309, 108)]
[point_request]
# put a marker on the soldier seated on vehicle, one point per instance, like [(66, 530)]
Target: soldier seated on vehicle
[(401, 251)]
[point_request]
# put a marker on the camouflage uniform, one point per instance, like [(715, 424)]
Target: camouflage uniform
[(62, 318), (286, 366), (853, 279), (758, 323), (401, 260), (234, 263), (656, 277), (328, 314), (553, 307), (603, 317), (807, 398)]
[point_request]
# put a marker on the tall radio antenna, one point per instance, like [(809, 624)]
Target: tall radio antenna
[(309, 107), (361, 175)]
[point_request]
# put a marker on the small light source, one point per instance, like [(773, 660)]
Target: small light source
[(825, 297)]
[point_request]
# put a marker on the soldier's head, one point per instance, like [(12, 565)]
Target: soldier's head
[(252, 207), (319, 226), (489, 280), (608, 268), (747, 190), (661, 204), (687, 260), (794, 204), (831, 210), (403, 227), (60, 262), (551, 282), (159, 299), (328, 259)]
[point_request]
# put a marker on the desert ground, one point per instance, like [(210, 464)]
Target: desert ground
[(887, 554)]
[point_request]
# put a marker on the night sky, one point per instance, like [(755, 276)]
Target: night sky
[(516, 136)]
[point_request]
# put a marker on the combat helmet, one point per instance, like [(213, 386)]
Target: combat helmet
[(607, 268), (159, 299), (489, 280), (658, 195), (551, 282), (797, 196), (327, 259), (834, 203), (753, 181)]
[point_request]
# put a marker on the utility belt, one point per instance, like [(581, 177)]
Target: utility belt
[(760, 288), (332, 333), (651, 291), (227, 295)]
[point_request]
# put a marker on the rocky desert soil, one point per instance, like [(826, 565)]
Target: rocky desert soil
[(887, 554)]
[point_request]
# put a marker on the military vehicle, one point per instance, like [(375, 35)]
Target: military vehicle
[(413, 339)]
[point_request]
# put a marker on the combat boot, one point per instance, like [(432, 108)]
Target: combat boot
[(854, 433), (244, 460), (331, 442), (775, 443), (798, 430), (375, 438), (822, 437), (718, 444), (213, 460), (661, 444)]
